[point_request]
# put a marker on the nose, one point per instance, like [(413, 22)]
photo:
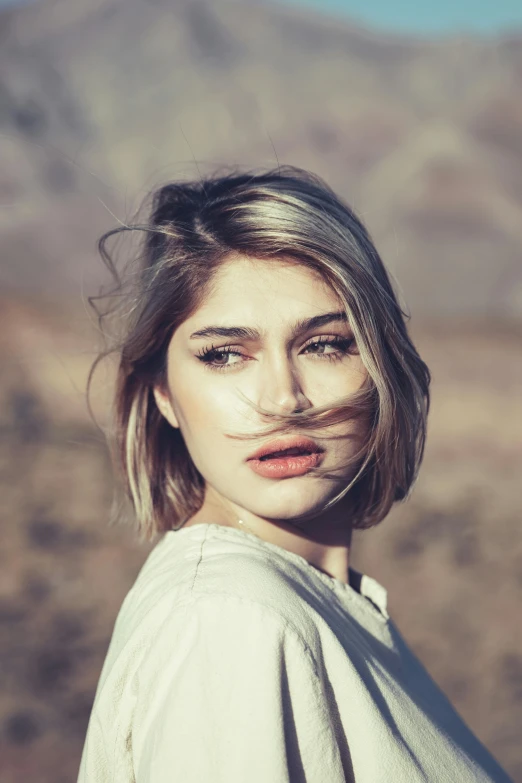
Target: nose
[(280, 387)]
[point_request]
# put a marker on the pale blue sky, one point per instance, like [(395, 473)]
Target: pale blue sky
[(427, 16), (418, 16)]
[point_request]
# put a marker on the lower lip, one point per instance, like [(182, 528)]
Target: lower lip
[(284, 467)]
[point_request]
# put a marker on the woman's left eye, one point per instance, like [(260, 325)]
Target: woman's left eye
[(341, 344), (213, 357)]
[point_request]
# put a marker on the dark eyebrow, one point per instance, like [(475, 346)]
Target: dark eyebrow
[(246, 333)]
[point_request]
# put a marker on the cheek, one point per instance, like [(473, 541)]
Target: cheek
[(199, 405), (336, 380), (358, 372)]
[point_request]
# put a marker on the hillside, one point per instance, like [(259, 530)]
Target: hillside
[(102, 100)]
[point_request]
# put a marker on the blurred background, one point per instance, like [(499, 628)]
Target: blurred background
[(413, 113)]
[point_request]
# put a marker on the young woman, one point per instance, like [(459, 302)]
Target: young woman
[(269, 401)]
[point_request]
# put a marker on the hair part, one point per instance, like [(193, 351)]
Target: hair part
[(287, 215)]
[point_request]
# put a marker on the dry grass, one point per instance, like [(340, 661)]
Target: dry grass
[(451, 558)]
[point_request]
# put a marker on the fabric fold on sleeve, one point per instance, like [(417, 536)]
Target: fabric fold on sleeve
[(229, 693)]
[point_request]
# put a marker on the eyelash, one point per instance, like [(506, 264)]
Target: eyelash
[(344, 343)]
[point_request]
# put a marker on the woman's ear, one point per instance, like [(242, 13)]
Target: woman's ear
[(165, 406)]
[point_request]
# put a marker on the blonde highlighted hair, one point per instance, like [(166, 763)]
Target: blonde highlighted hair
[(286, 215)]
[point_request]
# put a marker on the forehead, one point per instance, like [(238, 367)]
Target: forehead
[(253, 287)]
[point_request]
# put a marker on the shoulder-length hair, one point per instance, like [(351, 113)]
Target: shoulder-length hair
[(286, 215)]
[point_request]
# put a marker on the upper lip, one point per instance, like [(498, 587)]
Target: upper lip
[(279, 444)]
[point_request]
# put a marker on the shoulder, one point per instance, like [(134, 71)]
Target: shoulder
[(227, 636), (204, 571), (233, 565)]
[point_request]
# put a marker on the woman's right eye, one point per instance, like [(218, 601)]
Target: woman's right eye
[(213, 356)]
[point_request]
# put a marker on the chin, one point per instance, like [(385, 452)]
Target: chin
[(294, 505)]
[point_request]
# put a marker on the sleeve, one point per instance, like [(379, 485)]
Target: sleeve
[(232, 695)]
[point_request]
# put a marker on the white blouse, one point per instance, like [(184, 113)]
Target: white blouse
[(233, 660)]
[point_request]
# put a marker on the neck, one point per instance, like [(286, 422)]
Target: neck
[(324, 540)]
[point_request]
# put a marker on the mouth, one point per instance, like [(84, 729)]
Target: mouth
[(289, 447)]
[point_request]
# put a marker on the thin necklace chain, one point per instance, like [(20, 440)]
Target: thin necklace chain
[(244, 525), (240, 521)]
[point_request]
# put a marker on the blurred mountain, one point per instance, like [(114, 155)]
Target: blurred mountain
[(100, 100)]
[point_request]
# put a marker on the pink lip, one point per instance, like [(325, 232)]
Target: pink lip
[(279, 444), (285, 467)]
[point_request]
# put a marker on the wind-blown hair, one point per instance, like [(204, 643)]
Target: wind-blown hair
[(286, 215)]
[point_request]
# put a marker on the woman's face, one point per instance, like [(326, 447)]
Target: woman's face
[(281, 363)]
